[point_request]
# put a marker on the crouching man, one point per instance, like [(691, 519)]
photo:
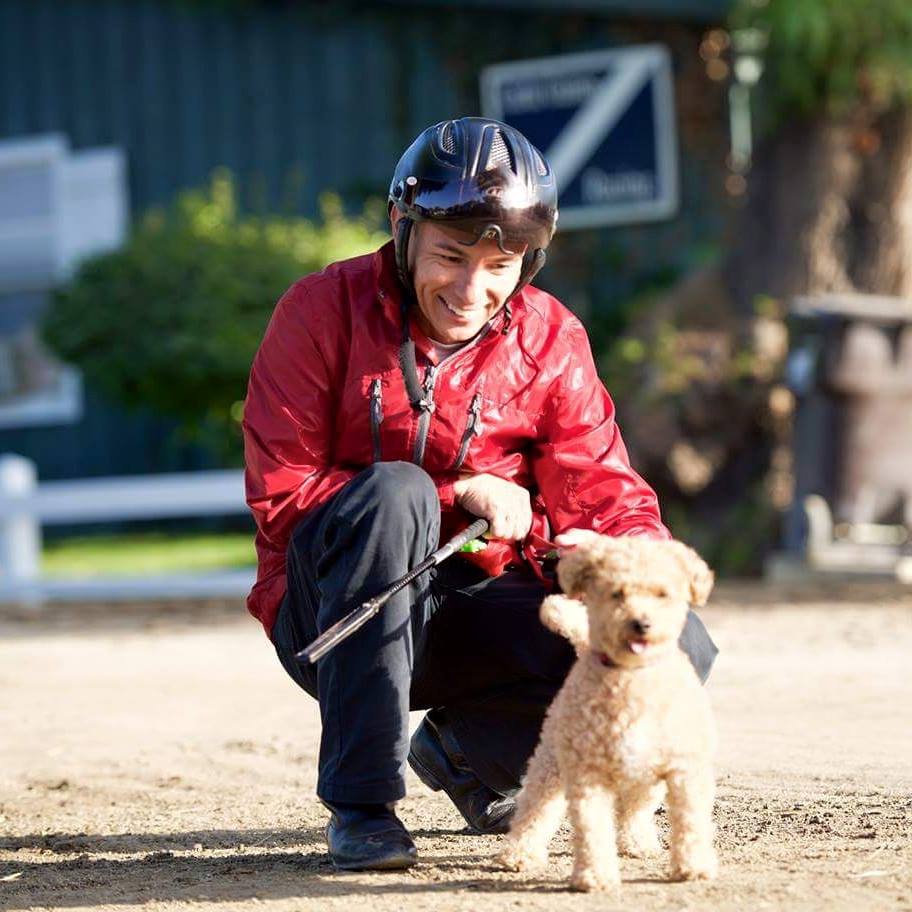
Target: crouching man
[(394, 397)]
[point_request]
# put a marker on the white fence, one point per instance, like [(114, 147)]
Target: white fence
[(26, 506)]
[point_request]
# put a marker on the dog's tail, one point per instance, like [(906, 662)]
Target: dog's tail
[(569, 618)]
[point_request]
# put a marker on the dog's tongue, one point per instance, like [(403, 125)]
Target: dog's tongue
[(638, 646)]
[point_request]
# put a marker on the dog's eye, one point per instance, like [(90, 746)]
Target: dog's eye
[(617, 593)]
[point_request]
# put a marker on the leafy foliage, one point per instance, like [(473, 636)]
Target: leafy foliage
[(172, 321), (703, 413), (829, 56)]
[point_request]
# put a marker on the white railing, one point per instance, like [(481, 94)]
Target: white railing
[(26, 506)]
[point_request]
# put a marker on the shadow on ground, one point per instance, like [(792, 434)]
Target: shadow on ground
[(176, 867)]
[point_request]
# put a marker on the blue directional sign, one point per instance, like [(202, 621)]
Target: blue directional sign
[(605, 121)]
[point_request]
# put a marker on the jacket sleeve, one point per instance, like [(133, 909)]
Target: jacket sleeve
[(288, 424), (580, 463)]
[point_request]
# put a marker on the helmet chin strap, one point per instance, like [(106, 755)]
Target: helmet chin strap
[(531, 265), (407, 362), (403, 233)]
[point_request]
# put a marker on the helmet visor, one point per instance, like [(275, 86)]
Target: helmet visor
[(502, 210)]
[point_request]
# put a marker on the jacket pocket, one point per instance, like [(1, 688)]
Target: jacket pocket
[(473, 426), (376, 416)]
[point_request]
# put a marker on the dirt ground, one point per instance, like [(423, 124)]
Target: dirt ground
[(158, 757)]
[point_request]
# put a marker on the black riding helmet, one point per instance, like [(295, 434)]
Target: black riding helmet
[(483, 177)]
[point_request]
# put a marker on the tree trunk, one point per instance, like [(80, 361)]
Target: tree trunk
[(829, 210), (792, 233), (883, 249)]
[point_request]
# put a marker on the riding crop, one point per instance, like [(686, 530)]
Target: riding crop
[(354, 620)]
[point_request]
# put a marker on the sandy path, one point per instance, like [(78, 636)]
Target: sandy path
[(165, 761)]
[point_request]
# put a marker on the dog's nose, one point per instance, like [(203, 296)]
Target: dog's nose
[(639, 627)]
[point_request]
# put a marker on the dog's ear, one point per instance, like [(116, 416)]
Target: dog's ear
[(701, 577), (576, 569)]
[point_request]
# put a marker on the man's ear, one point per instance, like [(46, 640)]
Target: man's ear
[(701, 577)]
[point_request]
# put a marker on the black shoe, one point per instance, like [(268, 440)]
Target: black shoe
[(439, 763), (368, 837)]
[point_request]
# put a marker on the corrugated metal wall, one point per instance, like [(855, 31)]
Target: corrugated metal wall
[(292, 101), (296, 98)]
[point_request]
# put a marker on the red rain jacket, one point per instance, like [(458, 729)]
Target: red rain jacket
[(523, 401)]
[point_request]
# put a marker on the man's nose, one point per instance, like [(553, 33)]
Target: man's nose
[(472, 287)]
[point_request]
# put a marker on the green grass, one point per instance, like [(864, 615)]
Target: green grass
[(147, 552)]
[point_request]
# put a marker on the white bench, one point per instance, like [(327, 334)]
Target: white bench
[(26, 506)]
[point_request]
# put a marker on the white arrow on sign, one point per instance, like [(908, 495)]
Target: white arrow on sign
[(596, 117)]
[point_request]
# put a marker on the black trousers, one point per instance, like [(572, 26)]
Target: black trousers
[(455, 638)]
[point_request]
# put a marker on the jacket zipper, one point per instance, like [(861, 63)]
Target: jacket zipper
[(376, 416), (424, 419), (470, 431), (427, 405)]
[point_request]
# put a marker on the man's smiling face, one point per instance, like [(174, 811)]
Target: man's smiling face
[(458, 287)]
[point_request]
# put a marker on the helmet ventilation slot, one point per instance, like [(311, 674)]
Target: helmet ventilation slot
[(447, 139), (499, 155)]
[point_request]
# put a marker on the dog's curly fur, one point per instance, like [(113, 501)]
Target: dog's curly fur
[(630, 721)]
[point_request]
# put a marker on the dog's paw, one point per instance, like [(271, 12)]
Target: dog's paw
[(510, 860), (706, 867), (513, 858), (640, 843), (587, 880)]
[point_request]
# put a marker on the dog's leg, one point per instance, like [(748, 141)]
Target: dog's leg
[(539, 810), (595, 860), (637, 835), (569, 618), (690, 805)]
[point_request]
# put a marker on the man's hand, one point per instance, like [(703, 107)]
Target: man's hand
[(506, 506)]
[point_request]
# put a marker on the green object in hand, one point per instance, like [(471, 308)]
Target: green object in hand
[(473, 546)]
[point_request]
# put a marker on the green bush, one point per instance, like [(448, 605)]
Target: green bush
[(831, 56), (171, 322)]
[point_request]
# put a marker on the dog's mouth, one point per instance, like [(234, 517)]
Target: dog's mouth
[(637, 646)]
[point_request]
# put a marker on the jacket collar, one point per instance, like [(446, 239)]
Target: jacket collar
[(386, 278)]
